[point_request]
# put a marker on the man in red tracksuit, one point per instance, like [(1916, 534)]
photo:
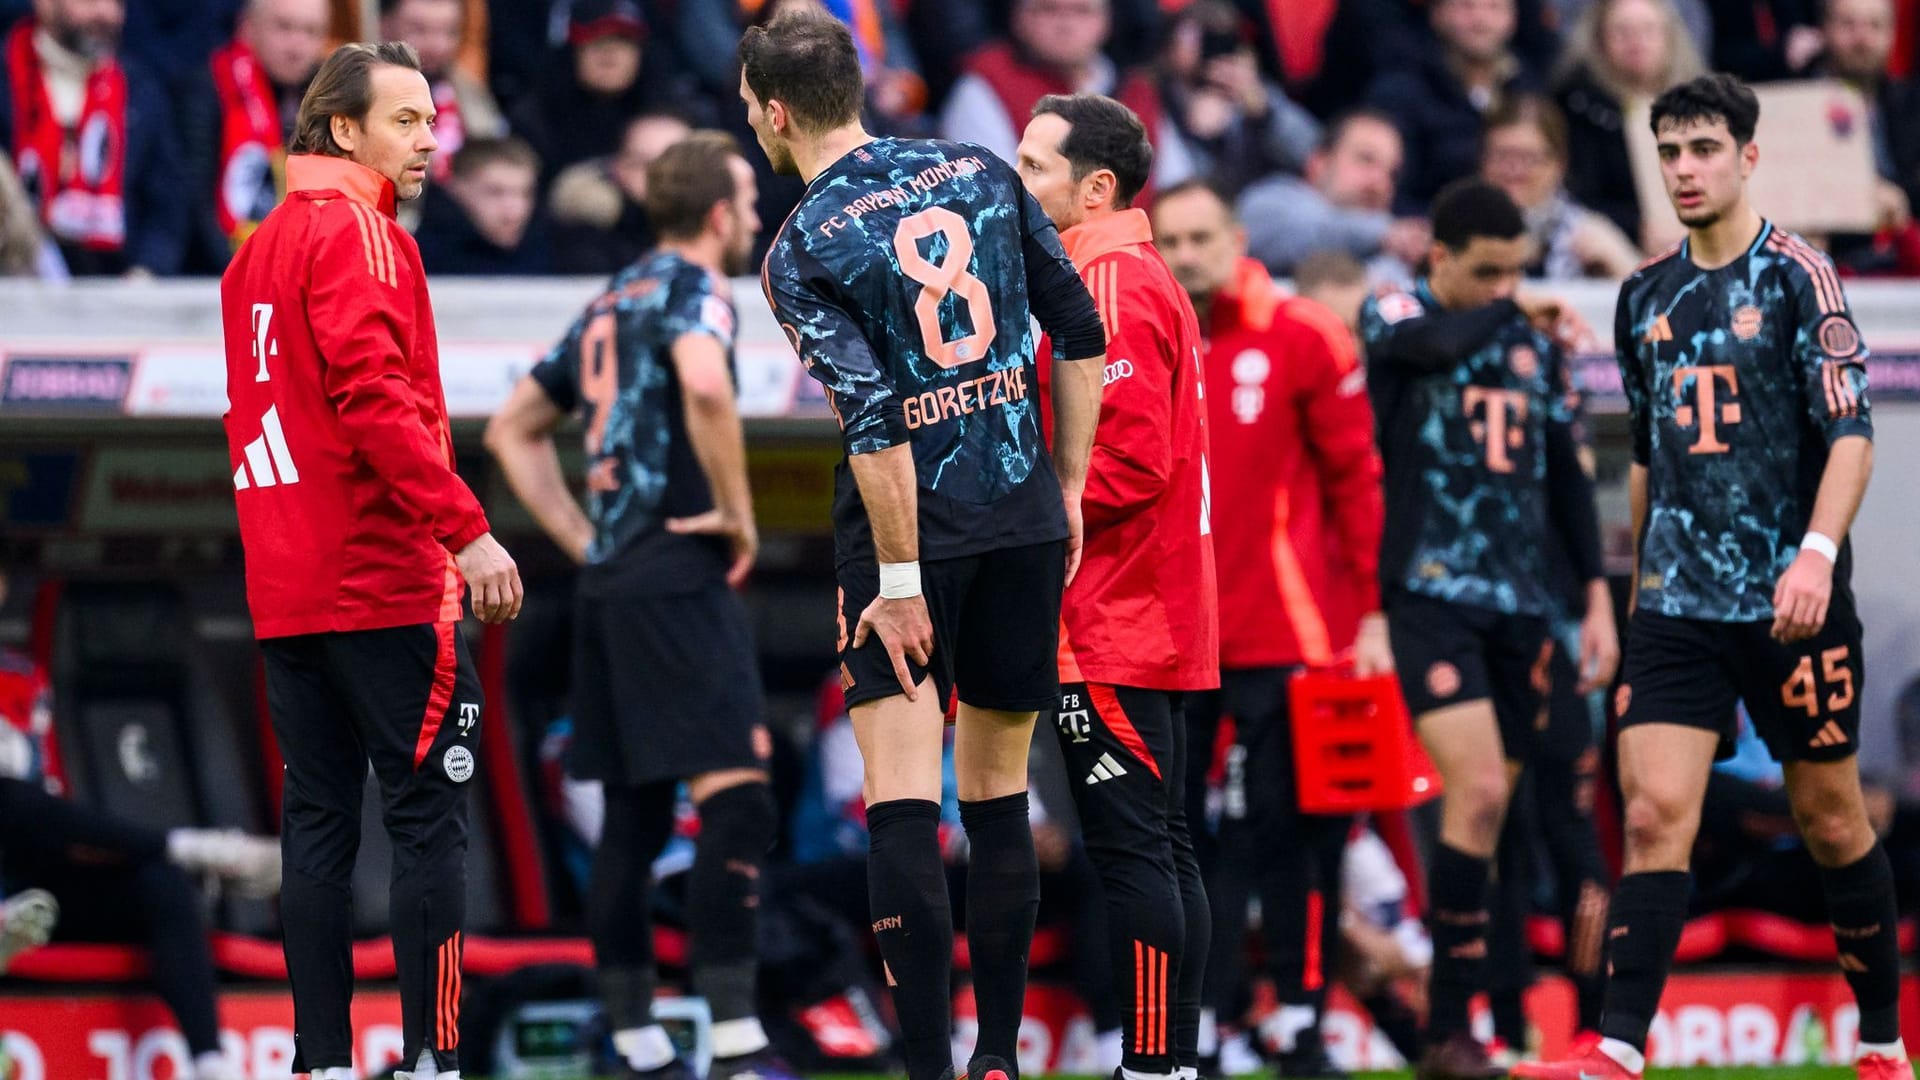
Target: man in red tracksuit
[(358, 534), (1296, 480), (1140, 628)]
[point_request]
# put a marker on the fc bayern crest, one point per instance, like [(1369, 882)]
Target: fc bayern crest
[(1524, 361), (459, 764)]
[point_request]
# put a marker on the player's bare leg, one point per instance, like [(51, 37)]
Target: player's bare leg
[(901, 741), (1003, 877), (1464, 742), (1663, 776), (1831, 813)]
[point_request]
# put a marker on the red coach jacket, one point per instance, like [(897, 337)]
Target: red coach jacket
[(1296, 477), (336, 422), (1142, 611)]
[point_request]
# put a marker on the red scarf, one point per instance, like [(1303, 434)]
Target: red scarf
[(252, 153), (448, 131), (78, 174)]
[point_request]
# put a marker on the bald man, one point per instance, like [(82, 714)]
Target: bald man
[(236, 120)]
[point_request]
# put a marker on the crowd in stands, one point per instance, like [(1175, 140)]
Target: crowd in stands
[(146, 137)]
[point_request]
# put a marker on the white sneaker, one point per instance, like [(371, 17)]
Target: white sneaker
[(27, 919), (251, 863)]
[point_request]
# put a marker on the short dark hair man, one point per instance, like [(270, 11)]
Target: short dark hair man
[(1746, 385), (666, 680), (906, 279), (1141, 622), (1481, 463), (358, 536)]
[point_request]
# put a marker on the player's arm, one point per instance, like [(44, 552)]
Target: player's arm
[(1337, 419), (1132, 458), (873, 428), (520, 438), (713, 429), (1570, 508), (1060, 301), (1833, 365), (1402, 332), (359, 323)]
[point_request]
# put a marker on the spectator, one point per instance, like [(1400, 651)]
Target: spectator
[(437, 31), (1054, 49), (1344, 203), (1620, 56), (92, 136), (236, 117), (599, 207), (599, 83), (896, 92), (1759, 40), (1336, 280), (25, 251), (1233, 124), (1693, 15), (483, 222), (1439, 99), (1859, 41), (1525, 155)]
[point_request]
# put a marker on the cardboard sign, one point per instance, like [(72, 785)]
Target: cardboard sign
[(1815, 173)]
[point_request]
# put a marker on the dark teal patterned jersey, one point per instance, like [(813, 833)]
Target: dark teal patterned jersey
[(1738, 379), (1475, 416), (905, 280), (616, 362)]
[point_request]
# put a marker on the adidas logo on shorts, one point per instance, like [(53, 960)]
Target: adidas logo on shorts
[(1105, 769)]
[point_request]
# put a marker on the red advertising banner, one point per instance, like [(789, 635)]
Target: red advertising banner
[(133, 1037)]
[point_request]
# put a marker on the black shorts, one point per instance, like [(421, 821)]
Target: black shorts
[(1804, 698), (1450, 654), (1125, 752), (996, 629), (665, 687), (1263, 788), (405, 699)]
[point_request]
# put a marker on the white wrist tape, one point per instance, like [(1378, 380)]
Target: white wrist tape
[(1821, 543), (899, 580)]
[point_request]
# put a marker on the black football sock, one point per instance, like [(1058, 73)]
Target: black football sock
[(1458, 925), (723, 901), (913, 922), (1864, 914), (1643, 928), (1003, 895)]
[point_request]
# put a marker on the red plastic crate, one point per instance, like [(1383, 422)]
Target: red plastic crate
[(1353, 745)]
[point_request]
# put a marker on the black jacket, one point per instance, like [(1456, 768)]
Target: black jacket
[(450, 245), (1599, 170), (1438, 123)]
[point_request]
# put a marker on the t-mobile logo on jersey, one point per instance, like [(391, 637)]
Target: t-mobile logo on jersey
[(1706, 407), (469, 716), (1496, 418), (1073, 719)]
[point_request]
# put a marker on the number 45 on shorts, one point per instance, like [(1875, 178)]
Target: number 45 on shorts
[(1832, 686)]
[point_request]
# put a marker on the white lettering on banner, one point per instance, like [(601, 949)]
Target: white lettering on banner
[(1750, 1033), (1753, 1035), (157, 1044), (23, 1055), (114, 1047)]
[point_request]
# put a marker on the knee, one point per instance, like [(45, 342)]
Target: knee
[(1656, 824), (1834, 837), (738, 822), (1480, 801)]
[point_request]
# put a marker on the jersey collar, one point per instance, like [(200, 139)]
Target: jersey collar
[(1097, 236), (324, 172), (1252, 291), (1766, 230)]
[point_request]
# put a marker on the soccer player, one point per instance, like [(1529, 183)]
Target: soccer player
[(359, 535), (666, 685), (1296, 527), (1470, 397), (1747, 389), (906, 279), (1141, 627)]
